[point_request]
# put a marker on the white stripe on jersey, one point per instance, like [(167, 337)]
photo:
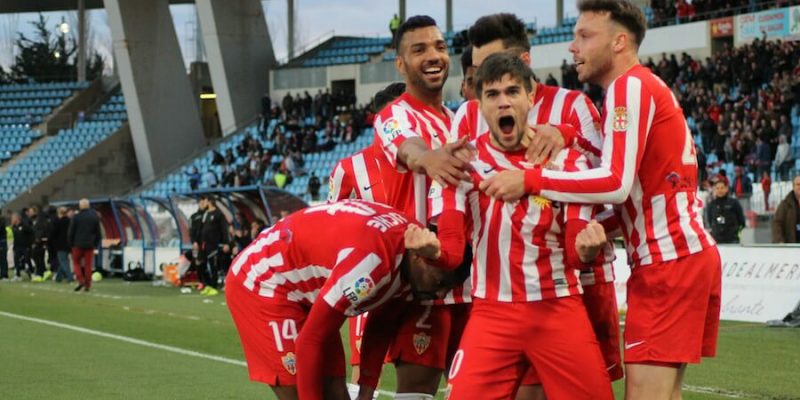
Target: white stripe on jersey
[(660, 228), (294, 276), (362, 177), (336, 182), (638, 223), (693, 242), (504, 247), (298, 296), (362, 269), (480, 278), (256, 247), (533, 289), (258, 269), (558, 107)]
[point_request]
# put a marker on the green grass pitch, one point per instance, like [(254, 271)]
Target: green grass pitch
[(139, 341)]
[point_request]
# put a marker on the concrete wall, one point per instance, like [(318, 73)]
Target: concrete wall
[(240, 53), (162, 109)]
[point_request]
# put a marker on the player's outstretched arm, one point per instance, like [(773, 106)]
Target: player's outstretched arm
[(323, 323), (444, 165)]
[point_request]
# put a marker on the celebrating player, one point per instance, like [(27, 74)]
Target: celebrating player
[(290, 291), (527, 309), (411, 147), (675, 283), (556, 112)]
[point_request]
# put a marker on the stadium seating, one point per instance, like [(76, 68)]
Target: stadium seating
[(25, 105), (347, 51), (57, 151), (547, 35)]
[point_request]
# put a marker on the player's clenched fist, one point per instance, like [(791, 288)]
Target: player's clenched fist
[(590, 241), (422, 241)]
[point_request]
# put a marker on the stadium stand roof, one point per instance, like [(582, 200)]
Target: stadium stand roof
[(24, 6)]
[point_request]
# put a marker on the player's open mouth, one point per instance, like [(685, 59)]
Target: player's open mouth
[(506, 124)]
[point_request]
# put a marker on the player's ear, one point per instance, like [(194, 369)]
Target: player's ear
[(399, 64)]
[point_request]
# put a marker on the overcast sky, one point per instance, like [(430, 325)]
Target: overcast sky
[(315, 19)]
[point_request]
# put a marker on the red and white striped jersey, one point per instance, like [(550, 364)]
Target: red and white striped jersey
[(402, 119), (660, 212), (519, 246), (566, 109), (346, 253), (358, 177)]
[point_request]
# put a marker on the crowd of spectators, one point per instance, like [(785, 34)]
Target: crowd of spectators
[(667, 12), (287, 132)]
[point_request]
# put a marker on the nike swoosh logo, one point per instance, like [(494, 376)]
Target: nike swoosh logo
[(629, 346), (611, 366), (487, 170), (368, 187)]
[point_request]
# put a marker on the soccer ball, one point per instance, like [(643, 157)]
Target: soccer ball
[(97, 277)]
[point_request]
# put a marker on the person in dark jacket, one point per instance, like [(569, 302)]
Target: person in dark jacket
[(786, 223), (52, 253), (724, 215), (23, 239), (3, 248), (84, 237), (214, 241), (42, 230), (60, 245)]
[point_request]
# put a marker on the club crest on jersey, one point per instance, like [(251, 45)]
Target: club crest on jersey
[(621, 118), (290, 363), (539, 201), (360, 289), (421, 342), (391, 128)]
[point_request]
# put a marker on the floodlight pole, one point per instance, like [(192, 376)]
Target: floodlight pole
[(290, 7), (559, 13), (402, 12), (449, 8), (81, 40)]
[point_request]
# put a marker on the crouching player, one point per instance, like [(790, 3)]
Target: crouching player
[(290, 291)]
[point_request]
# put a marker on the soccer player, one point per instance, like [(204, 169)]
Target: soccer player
[(411, 143), (468, 70), (527, 310), (358, 176), (556, 112), (290, 291), (648, 171)]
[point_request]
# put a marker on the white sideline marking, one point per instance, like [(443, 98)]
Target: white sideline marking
[(126, 339)]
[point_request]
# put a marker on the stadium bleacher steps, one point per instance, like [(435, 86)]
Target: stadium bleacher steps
[(107, 169), (86, 100)]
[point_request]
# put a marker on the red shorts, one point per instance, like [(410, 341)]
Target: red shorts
[(601, 306), (459, 314), (355, 333), (673, 310), (502, 340), (267, 328), (422, 337)]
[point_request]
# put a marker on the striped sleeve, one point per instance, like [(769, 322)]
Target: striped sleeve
[(584, 117), (629, 113), (359, 278), (340, 183), (442, 199), (462, 122), (393, 126)]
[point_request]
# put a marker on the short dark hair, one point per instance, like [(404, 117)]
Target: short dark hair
[(466, 59), (413, 23), (505, 26), (387, 95), (499, 65), (621, 12)]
